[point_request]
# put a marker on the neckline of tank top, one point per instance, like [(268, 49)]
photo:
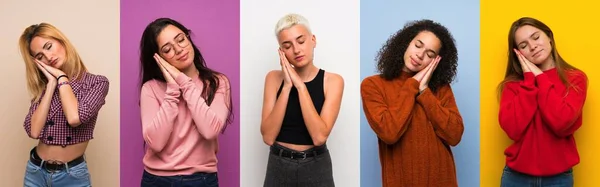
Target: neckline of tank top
[(314, 78)]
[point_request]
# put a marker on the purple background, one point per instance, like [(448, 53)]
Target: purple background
[(215, 29)]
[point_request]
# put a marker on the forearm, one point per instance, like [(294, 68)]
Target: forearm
[(317, 128), (40, 115), (69, 104), (271, 125)]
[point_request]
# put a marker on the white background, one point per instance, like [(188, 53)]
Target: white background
[(336, 26)]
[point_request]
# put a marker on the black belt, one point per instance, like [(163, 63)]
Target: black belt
[(281, 151), (36, 160)]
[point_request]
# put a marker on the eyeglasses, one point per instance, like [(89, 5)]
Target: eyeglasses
[(169, 51)]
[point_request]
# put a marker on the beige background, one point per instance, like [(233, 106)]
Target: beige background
[(93, 28)]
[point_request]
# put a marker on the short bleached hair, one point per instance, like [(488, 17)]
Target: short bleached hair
[(290, 20)]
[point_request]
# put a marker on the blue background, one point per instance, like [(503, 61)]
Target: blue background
[(379, 19)]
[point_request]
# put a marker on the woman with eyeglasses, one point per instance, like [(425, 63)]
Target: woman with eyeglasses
[(184, 106), (65, 102)]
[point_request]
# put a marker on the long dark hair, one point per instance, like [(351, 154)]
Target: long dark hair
[(150, 70)]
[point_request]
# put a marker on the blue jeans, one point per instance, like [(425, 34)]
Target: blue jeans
[(511, 178), (193, 180), (76, 176)]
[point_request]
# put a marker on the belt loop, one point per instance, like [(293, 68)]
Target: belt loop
[(280, 152), (67, 167)]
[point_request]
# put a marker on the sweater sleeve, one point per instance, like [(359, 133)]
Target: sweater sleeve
[(388, 113), (158, 115), (209, 120), (560, 110), (518, 105), (443, 114)]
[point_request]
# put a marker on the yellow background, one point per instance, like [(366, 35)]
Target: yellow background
[(577, 35)]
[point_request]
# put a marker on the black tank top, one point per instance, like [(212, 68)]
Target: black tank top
[(293, 130)]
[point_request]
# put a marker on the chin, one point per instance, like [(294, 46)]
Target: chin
[(298, 64), (58, 65), (411, 68)]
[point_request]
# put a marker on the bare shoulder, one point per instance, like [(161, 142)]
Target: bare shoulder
[(333, 83), (274, 76), (333, 79)]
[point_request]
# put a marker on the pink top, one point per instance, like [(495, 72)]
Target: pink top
[(179, 128)]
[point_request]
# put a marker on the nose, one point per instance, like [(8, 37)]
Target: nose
[(177, 49), (532, 46), (296, 49), (46, 58), (421, 54)]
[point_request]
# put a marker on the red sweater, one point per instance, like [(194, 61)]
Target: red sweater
[(540, 115)]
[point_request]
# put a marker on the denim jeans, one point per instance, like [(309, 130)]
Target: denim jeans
[(511, 178), (288, 172), (76, 176), (193, 180)]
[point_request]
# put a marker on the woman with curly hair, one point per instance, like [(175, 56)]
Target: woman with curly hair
[(411, 107)]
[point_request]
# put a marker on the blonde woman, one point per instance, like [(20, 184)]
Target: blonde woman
[(64, 107), (300, 106)]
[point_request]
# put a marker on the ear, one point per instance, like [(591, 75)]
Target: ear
[(314, 40)]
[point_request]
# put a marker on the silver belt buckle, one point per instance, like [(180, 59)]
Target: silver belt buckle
[(55, 162), (303, 154)]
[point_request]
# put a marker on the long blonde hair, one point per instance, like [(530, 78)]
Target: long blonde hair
[(73, 65)]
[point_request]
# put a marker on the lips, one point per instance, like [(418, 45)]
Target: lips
[(536, 54), (184, 56), (53, 62), (414, 62), (299, 58)]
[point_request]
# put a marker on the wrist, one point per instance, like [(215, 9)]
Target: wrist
[(301, 87), (60, 84), (62, 76), (51, 84), (62, 80)]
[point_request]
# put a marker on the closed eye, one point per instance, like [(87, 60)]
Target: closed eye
[(166, 50)]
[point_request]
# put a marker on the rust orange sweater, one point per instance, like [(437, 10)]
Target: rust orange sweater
[(415, 131)]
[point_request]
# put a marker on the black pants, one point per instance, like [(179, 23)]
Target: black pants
[(298, 172)]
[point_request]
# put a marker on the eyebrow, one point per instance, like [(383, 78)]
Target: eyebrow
[(43, 47), (530, 36), (176, 36), (290, 41), (430, 50)]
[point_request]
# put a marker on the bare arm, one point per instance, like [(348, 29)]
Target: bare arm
[(319, 125), (274, 107), (38, 113)]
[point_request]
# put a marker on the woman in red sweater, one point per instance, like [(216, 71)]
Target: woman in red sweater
[(541, 103)]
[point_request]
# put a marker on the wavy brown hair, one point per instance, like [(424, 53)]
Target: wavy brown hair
[(514, 72)]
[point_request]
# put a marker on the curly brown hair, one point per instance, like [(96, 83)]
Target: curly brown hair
[(390, 58)]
